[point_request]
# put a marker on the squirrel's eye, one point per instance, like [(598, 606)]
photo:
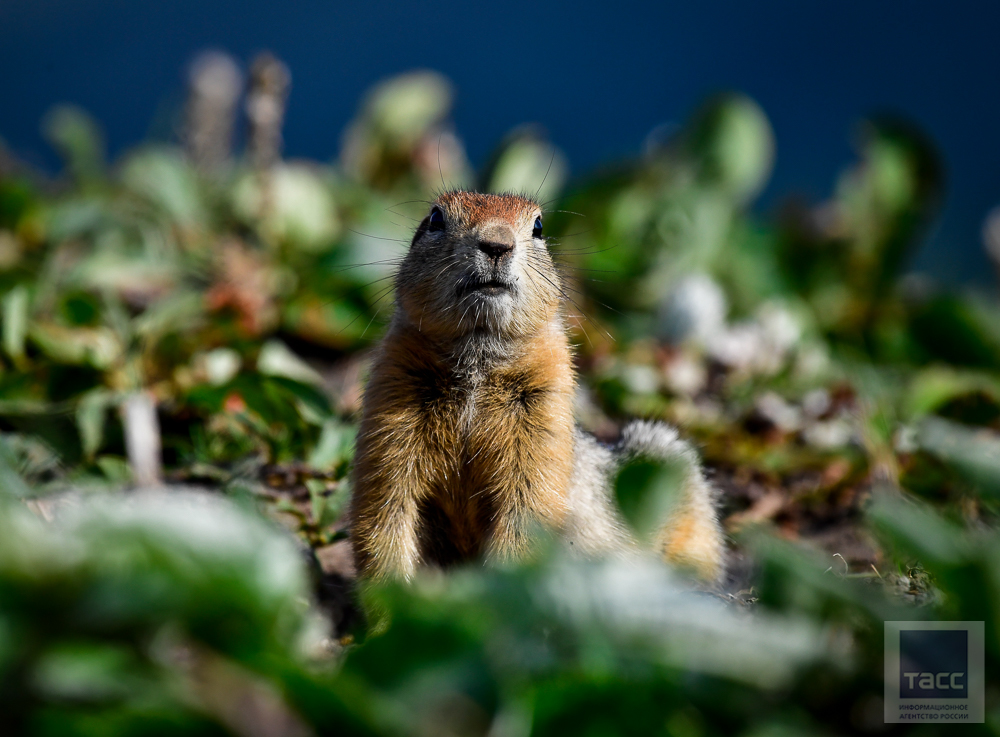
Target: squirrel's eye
[(436, 220), (537, 232)]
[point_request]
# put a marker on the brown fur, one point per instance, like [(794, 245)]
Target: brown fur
[(467, 438)]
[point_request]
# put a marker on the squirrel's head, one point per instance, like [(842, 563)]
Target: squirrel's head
[(478, 262)]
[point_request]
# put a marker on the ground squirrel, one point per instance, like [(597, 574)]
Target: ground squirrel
[(467, 440)]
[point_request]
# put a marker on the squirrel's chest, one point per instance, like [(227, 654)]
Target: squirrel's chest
[(475, 455), (479, 433), (475, 418), (493, 445)]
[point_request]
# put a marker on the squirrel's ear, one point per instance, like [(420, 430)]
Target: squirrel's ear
[(433, 223), (421, 229)]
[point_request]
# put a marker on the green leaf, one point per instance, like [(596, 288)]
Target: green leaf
[(15, 321), (528, 163), (97, 347), (11, 483), (974, 453), (733, 144), (78, 138), (335, 445), (937, 385), (646, 491), (327, 505), (918, 530), (114, 468), (165, 179), (86, 671), (299, 209), (311, 404), (276, 359), (91, 412)]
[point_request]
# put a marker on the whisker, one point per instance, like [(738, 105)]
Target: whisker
[(580, 324), (551, 159), (462, 318), (379, 237), (450, 261), (585, 252), (440, 172), (575, 268), (592, 271), (376, 281), (575, 234), (572, 301), (395, 261), (365, 331), (403, 215), (380, 295), (413, 202)]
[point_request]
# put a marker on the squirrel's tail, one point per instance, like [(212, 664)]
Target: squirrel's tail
[(691, 536)]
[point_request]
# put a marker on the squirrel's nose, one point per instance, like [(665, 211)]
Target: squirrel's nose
[(495, 250)]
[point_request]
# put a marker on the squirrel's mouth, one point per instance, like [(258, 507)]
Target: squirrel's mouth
[(490, 287)]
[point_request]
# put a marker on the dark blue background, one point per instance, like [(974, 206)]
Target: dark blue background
[(597, 76)]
